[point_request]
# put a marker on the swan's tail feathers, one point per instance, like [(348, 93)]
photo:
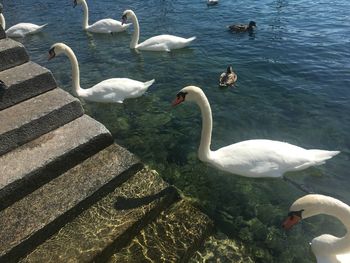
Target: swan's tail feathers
[(40, 28), (320, 156), (189, 40), (149, 83)]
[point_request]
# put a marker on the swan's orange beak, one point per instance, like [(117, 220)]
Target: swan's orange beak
[(291, 221), (177, 101)]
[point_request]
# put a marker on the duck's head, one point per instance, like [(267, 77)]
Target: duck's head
[(229, 70), (56, 49), (189, 93), (127, 14), (252, 24)]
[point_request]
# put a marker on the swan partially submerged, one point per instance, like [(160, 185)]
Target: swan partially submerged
[(327, 248), (106, 25), (156, 43), (110, 90), (251, 158)]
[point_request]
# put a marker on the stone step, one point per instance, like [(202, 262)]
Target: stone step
[(31, 165), (31, 220), (12, 53), (23, 82), (109, 224), (32, 118), (174, 237)]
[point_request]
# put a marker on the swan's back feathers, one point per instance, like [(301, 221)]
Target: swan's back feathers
[(264, 158), (321, 251), (107, 25), (116, 90), (22, 29), (343, 258), (165, 42)]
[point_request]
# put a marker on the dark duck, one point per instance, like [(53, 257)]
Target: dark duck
[(243, 28), (228, 78)]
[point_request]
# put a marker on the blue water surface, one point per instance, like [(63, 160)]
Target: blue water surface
[(293, 85)]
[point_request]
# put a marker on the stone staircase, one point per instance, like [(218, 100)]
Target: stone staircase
[(67, 192)]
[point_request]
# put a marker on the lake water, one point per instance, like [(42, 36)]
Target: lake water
[(293, 85)]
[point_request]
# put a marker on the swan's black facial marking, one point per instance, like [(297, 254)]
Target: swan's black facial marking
[(124, 19), (180, 97), (75, 3), (296, 213), (52, 53)]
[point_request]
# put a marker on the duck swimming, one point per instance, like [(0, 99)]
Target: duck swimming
[(212, 2), (243, 28), (228, 78)]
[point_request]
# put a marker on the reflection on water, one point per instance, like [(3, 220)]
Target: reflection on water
[(293, 79)]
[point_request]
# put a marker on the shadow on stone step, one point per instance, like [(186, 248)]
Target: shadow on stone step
[(123, 203), (3, 88)]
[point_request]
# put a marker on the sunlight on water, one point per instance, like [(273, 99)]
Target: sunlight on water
[(293, 85)]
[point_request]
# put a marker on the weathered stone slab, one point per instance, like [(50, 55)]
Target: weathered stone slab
[(37, 216), (33, 164), (34, 117), (109, 224), (221, 248), (176, 234), (24, 82), (12, 53)]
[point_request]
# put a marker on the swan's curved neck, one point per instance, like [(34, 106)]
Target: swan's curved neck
[(207, 125), (340, 210), (2, 21), (136, 34), (75, 71), (86, 15)]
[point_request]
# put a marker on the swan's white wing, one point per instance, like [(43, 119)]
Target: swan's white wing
[(343, 258), (259, 158), (107, 25), (328, 259), (164, 42), (23, 29), (115, 90)]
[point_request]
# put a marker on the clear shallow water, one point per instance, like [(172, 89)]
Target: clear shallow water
[(293, 85)]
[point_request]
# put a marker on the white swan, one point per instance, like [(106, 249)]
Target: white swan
[(157, 43), (106, 25), (21, 29), (251, 158), (110, 90), (327, 248)]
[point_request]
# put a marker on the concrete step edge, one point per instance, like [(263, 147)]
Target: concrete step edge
[(32, 118), (24, 82), (35, 163)]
